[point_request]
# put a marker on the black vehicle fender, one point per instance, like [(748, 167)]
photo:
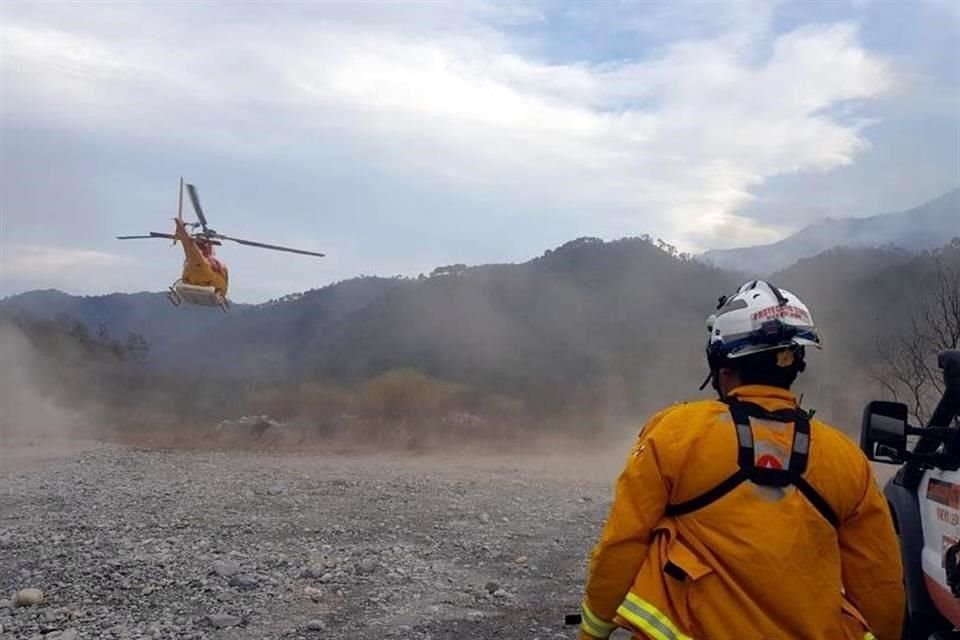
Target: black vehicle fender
[(905, 509)]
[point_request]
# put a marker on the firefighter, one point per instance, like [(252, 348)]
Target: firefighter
[(744, 518)]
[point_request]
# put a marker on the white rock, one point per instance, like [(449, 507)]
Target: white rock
[(226, 568), (313, 593), (222, 620), (28, 598)]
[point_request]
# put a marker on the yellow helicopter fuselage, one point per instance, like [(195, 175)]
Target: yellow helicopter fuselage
[(200, 267)]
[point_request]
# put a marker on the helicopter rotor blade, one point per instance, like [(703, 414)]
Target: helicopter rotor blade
[(153, 234), (274, 247), (195, 199)]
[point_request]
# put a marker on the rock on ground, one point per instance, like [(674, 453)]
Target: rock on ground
[(28, 598)]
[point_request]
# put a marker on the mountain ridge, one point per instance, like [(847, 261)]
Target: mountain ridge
[(616, 326), (926, 226)]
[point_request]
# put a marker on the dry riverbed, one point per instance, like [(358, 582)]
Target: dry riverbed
[(138, 543)]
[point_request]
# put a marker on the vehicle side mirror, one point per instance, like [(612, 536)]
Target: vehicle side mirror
[(883, 434)]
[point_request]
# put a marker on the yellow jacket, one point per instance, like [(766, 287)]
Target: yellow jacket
[(759, 563)]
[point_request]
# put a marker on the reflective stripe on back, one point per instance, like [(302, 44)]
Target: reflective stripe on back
[(745, 435), (801, 443)]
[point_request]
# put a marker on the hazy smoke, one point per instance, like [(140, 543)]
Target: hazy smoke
[(34, 425)]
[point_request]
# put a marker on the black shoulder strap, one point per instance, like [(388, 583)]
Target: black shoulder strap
[(709, 497), (741, 412), (817, 500)]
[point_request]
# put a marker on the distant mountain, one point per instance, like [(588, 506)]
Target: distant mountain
[(117, 314), (278, 338), (862, 300), (613, 327), (927, 226), (586, 319), (201, 331), (583, 320), (850, 290)]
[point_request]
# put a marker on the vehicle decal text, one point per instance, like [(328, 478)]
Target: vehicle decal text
[(946, 493), (950, 517)]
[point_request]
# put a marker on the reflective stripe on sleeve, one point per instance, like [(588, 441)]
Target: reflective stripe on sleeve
[(648, 619), (594, 625)]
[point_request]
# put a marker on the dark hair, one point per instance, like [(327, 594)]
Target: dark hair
[(765, 367)]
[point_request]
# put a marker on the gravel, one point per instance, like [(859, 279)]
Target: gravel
[(137, 543)]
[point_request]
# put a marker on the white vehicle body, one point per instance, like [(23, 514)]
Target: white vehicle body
[(939, 499), (924, 499)]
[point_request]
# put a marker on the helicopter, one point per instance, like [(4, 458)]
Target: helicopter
[(205, 278)]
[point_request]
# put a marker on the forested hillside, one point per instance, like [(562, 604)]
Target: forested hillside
[(590, 334)]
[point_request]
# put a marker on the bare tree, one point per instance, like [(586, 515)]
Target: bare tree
[(909, 371)]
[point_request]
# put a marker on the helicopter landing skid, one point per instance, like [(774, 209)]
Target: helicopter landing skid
[(204, 296), (174, 297)]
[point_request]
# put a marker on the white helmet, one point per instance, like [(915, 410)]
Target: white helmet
[(758, 317)]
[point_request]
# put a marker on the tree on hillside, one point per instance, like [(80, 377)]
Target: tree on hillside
[(449, 270), (909, 372), (136, 347)]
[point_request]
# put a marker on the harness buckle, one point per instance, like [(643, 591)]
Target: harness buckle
[(771, 477)]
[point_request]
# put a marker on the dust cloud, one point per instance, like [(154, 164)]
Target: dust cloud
[(34, 424)]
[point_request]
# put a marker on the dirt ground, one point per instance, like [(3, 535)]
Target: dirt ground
[(22, 454), (143, 543), (147, 542)]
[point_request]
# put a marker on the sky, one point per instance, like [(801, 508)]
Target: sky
[(397, 137)]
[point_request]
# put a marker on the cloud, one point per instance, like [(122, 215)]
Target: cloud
[(23, 260), (672, 142), (25, 267)]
